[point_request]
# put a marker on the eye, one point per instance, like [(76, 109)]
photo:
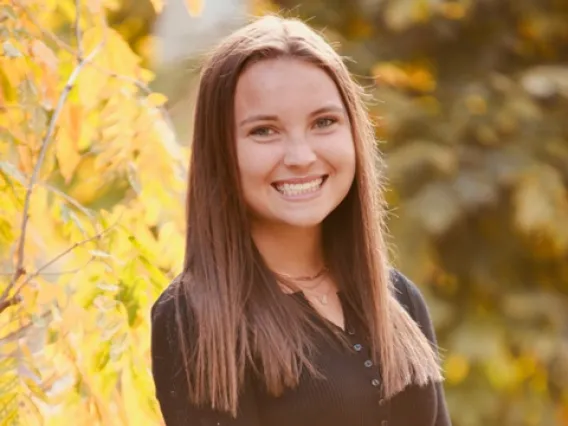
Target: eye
[(324, 122), (262, 131)]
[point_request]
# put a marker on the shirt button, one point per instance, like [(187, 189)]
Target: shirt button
[(368, 363), (381, 402), (350, 331), (357, 347), (375, 382), (384, 423)]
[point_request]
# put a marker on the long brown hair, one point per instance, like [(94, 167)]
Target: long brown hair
[(226, 295)]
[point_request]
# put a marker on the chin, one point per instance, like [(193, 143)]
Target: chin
[(310, 221), (304, 224)]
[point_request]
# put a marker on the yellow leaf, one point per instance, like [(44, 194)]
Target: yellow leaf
[(421, 79), (121, 59), (262, 7), (131, 398), (453, 10), (116, 56), (8, 92), (157, 99), (14, 69), (47, 74), (158, 5), (44, 55), (74, 121), (146, 75), (26, 159), (66, 147), (94, 6), (476, 105), (194, 7), (67, 158), (457, 368)]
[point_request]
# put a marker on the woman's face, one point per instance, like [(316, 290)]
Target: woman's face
[(294, 144)]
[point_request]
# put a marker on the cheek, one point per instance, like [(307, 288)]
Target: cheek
[(340, 154), (255, 163)]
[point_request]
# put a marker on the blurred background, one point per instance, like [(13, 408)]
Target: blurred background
[(96, 100)]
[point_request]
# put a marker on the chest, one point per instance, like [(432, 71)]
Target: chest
[(348, 394)]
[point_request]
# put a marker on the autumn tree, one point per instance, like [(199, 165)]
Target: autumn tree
[(91, 217), (471, 106), (471, 102)]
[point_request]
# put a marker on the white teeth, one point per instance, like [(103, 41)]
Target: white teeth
[(292, 189)]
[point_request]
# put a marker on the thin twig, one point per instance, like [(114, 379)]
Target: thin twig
[(19, 271), (60, 43), (46, 265), (16, 334), (78, 29), (15, 299), (59, 256), (9, 302), (144, 88), (69, 199), (71, 271), (67, 272)]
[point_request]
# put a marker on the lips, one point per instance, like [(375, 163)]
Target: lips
[(299, 186)]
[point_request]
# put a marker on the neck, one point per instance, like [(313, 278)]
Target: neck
[(288, 250)]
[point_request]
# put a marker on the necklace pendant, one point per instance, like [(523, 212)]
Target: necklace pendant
[(324, 299)]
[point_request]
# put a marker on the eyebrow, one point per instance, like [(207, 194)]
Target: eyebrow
[(264, 117)]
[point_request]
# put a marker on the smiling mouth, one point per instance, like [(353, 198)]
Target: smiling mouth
[(294, 189)]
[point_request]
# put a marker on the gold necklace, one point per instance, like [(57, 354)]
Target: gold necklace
[(323, 299), (319, 277), (322, 271)]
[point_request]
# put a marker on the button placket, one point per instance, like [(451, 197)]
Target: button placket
[(368, 364), (359, 349)]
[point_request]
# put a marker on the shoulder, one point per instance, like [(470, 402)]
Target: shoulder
[(163, 308), (406, 292), (412, 299), (163, 318)]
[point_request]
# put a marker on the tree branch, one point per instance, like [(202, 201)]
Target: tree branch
[(16, 334), (19, 270), (60, 43), (69, 199), (46, 265), (6, 302), (78, 29), (71, 271)]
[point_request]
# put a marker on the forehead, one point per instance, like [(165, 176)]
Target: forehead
[(275, 85)]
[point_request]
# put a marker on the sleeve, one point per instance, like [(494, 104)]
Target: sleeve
[(171, 383), (421, 315)]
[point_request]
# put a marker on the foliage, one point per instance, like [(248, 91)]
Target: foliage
[(474, 96), (90, 220), (472, 106)]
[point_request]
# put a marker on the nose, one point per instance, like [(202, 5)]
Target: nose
[(299, 154)]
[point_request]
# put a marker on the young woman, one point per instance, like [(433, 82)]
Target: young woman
[(286, 312)]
